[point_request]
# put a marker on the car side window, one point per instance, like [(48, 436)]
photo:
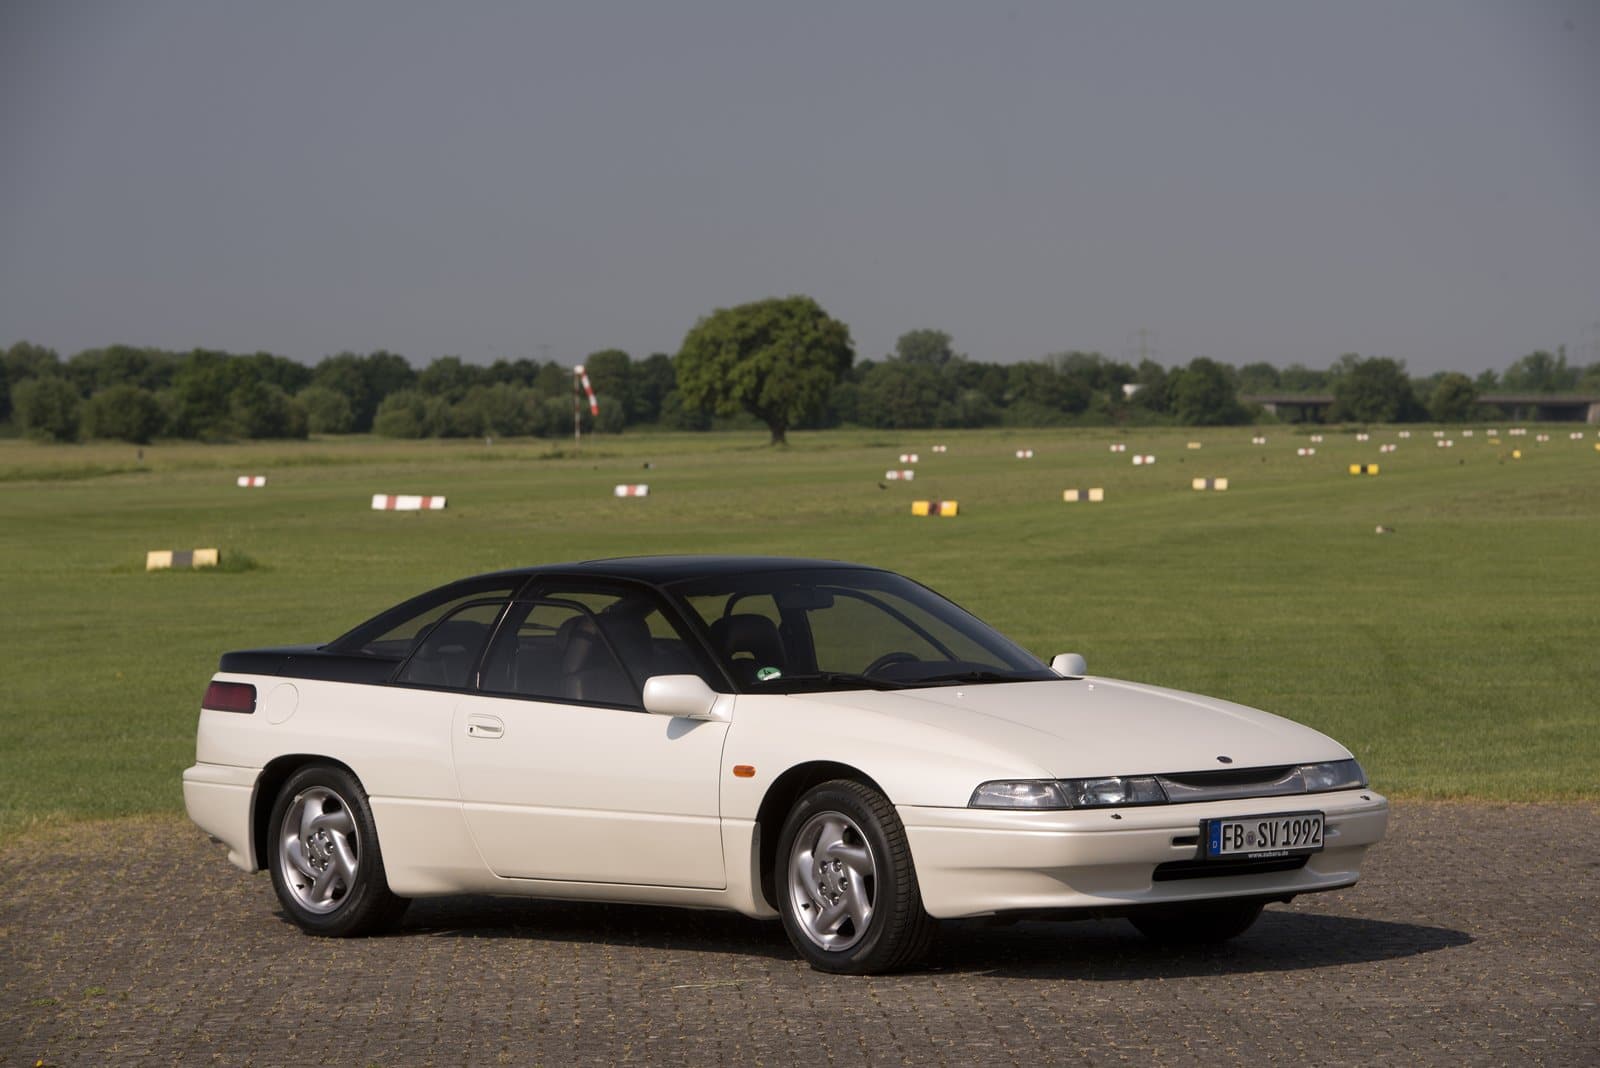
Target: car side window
[(643, 634), (395, 632), (747, 631), (449, 650), (562, 650)]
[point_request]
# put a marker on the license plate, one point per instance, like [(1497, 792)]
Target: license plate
[(1282, 834)]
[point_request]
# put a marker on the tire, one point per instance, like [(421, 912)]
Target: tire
[(1198, 924), (847, 889), (326, 866)]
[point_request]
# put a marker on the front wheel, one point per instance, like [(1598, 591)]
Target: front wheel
[(326, 865), (847, 888), (1198, 924)]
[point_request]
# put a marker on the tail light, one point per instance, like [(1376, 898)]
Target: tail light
[(230, 697)]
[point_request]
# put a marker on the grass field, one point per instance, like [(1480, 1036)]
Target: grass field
[(1458, 656)]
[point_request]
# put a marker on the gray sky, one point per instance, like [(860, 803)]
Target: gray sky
[(1276, 181)]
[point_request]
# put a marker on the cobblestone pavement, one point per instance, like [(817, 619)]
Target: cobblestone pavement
[(1472, 940)]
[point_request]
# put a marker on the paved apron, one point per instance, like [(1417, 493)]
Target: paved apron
[(1472, 940)]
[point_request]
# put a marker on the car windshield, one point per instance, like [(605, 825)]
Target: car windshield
[(847, 629)]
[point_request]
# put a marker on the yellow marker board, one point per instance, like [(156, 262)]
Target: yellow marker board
[(162, 559)]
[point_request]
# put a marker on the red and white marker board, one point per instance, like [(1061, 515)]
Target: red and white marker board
[(399, 502)]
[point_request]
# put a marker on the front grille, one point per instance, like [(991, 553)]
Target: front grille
[(1232, 776), (1221, 869), (1187, 787)]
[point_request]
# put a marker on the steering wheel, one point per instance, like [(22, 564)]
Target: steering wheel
[(890, 659)]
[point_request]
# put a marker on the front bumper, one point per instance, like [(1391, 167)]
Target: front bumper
[(975, 862)]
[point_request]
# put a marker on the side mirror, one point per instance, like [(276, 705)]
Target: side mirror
[(1069, 665), (683, 696)]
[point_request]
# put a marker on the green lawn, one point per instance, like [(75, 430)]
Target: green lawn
[(1458, 656)]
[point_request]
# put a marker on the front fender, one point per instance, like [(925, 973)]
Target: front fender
[(913, 763)]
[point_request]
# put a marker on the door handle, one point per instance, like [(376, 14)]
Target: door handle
[(481, 726)]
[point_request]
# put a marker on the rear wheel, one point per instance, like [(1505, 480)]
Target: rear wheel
[(1199, 923), (847, 888), (326, 865)]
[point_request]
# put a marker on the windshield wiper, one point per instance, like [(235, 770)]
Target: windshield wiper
[(846, 678), (973, 676)]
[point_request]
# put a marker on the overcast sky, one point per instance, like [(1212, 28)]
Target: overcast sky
[(1273, 181)]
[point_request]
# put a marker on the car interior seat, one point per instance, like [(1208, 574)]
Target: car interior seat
[(748, 643), (629, 636), (589, 671)]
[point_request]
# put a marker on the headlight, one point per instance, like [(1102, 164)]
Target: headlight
[(1334, 775), (1030, 794), (1111, 791), (1114, 790)]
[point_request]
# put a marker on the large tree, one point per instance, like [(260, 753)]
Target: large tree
[(1153, 384), (1203, 395), (1298, 378), (1454, 400), (47, 407), (124, 411), (929, 347), (93, 370), (365, 381), (264, 410), (1044, 392), (27, 360), (776, 359), (327, 410), (1540, 372), (653, 379), (450, 377), (900, 394), (1259, 377), (402, 414), (1375, 390), (501, 410), (202, 391)]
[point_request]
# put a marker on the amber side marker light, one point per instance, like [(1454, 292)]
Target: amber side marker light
[(230, 697), (744, 771)]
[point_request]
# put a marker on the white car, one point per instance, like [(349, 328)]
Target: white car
[(826, 742)]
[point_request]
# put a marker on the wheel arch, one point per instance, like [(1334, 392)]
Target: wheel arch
[(780, 798), (268, 784)]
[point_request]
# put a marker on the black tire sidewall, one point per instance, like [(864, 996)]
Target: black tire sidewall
[(369, 899), (870, 953)]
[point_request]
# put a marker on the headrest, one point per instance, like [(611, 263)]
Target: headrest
[(748, 633), (577, 638)]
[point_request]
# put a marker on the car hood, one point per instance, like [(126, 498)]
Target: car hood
[(1074, 728)]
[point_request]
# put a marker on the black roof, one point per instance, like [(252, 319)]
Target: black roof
[(660, 570)]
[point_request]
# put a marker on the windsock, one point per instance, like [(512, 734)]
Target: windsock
[(588, 390)]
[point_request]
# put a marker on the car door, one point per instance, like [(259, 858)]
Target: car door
[(562, 773)]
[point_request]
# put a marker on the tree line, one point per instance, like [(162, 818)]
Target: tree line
[(783, 363)]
